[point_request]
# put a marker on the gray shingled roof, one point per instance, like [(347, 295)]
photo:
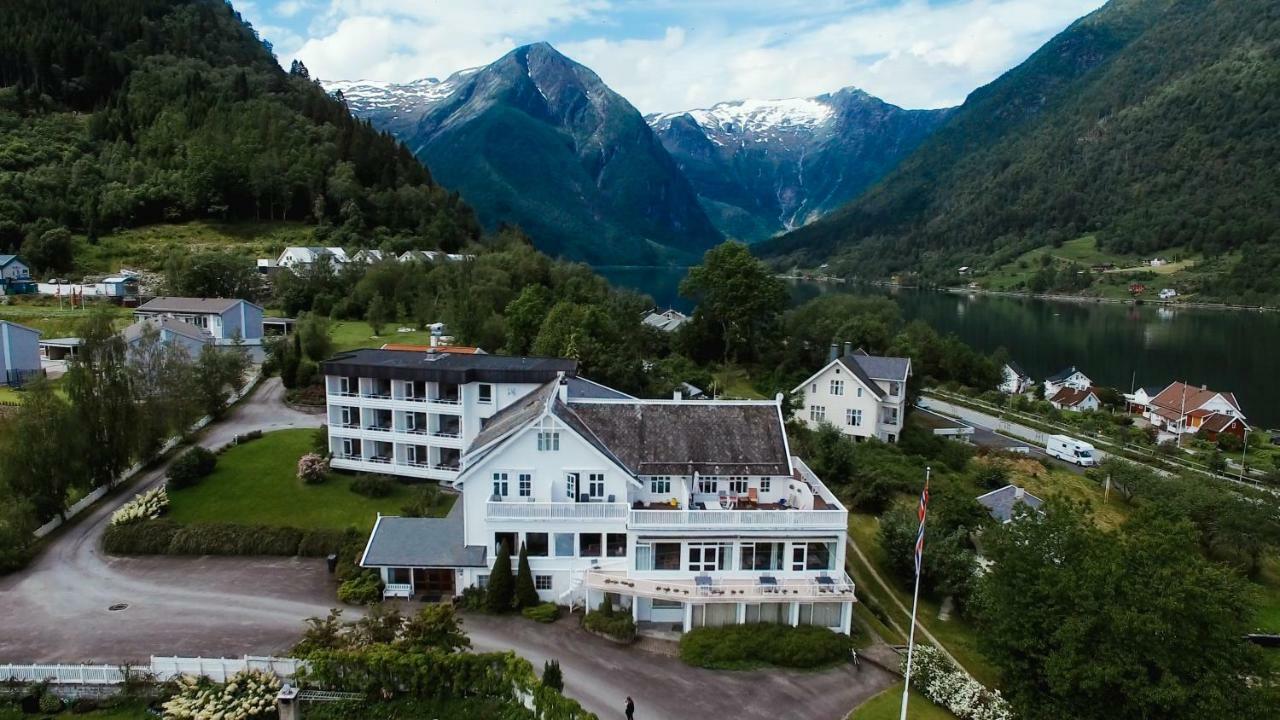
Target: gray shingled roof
[(1000, 503), (447, 367), (855, 367), (1017, 369), (676, 438), (187, 330), (520, 413), (422, 542), (881, 368), (1062, 374), (188, 305), (584, 388)]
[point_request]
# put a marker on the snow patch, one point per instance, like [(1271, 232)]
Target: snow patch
[(756, 117)]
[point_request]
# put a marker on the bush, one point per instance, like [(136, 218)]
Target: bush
[(544, 613), (472, 598), (320, 441), (605, 621), (373, 486), (233, 539), (191, 467), (320, 543), (943, 683), (362, 589), (147, 505), (739, 647), (426, 500), (248, 437), (312, 469), (50, 703), (247, 694), (144, 538)]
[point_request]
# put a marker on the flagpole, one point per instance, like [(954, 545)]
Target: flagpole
[(911, 637)]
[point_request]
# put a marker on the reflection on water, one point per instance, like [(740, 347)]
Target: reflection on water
[(1116, 345)]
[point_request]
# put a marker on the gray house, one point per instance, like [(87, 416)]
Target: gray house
[(190, 338), (225, 319), (19, 353)]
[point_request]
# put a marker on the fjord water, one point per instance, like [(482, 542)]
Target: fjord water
[(1115, 344)]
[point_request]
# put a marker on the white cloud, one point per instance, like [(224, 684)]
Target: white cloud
[(914, 53)]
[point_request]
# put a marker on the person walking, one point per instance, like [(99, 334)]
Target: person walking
[(631, 708)]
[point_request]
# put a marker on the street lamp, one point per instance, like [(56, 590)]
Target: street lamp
[(1244, 454)]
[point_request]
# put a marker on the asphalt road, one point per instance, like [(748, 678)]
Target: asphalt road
[(986, 432)]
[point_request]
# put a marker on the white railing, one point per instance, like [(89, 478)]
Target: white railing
[(445, 401), (378, 428), (397, 590), (441, 434), (379, 460), (411, 399), (163, 668), (446, 468), (376, 396), (517, 510), (837, 588), (739, 518)]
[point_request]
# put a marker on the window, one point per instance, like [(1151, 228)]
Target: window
[(817, 413), (894, 388), (542, 582), (344, 385), (526, 484), (798, 552), (351, 447), (660, 485), (486, 393), (644, 556), (820, 556), (768, 613), (738, 485), (813, 388), (548, 441), (761, 556), (859, 392), (500, 484), (853, 417), (482, 581), (595, 486), (709, 484), (666, 556), (399, 576), (660, 604), (506, 538), (536, 544), (589, 545), (350, 416), (765, 484), (615, 545), (704, 558), (571, 486), (564, 544), (820, 614), (837, 387), (891, 416)]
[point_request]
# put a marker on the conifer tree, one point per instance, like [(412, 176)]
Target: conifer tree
[(552, 677), (526, 592), (498, 596)]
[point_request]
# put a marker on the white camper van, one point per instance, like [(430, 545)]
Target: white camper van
[(1071, 450)]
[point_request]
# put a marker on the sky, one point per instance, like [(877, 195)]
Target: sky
[(670, 55)]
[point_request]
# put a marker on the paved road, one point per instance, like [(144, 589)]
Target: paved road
[(56, 610), (600, 675), (1000, 433)]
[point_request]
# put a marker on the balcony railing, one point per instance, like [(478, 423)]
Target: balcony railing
[(446, 468), (838, 588), (739, 518), (446, 401), (518, 510), (444, 434), (412, 398), (378, 428)]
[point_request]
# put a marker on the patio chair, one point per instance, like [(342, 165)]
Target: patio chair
[(753, 497), (703, 584), (768, 583)]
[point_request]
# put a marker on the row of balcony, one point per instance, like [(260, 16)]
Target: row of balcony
[(835, 519)]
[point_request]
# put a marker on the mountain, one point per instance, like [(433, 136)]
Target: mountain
[(394, 107), (761, 167), (1148, 123), (116, 115), (538, 140)]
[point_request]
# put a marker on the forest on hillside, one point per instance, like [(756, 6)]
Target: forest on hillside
[(119, 113), (1149, 124)]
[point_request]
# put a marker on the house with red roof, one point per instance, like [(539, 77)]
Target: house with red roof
[(1182, 408), (1076, 399)]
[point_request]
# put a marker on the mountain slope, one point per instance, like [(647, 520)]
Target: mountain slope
[(538, 140), (764, 166), (1150, 123), (394, 107), (123, 114)]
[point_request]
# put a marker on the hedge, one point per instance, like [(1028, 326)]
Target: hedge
[(166, 537), (543, 613), (191, 467), (373, 486), (605, 620), (742, 647)]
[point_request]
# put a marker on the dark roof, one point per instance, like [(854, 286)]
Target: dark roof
[(177, 327), (447, 367), (1017, 369), (516, 415), (677, 438), (1062, 374), (1217, 422), (1000, 503), (580, 387), (6, 259), (189, 305), (1070, 396), (880, 368), (856, 368), (421, 542), (1152, 390)]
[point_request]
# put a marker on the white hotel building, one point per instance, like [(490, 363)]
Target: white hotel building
[(688, 513)]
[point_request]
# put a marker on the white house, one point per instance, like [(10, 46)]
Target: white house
[(1014, 380), (687, 513), (368, 256), (1067, 377), (19, 353), (302, 256), (227, 320), (421, 256), (191, 339), (668, 320), (1076, 400), (1183, 408), (861, 395)]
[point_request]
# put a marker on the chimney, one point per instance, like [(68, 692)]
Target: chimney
[(675, 395), (848, 347), (1018, 493), (835, 352), (562, 388)]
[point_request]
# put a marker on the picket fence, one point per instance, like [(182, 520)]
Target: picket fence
[(160, 668)]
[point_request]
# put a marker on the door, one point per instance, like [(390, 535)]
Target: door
[(571, 486), (433, 583)]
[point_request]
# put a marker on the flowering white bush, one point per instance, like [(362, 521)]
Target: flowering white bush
[(312, 468), (942, 682), (147, 505), (247, 694)]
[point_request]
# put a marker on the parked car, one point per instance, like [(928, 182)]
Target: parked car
[(1071, 450)]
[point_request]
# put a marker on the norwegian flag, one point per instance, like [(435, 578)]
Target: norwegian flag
[(923, 512)]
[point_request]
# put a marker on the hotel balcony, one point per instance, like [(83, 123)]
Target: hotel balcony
[(709, 589), (520, 509)]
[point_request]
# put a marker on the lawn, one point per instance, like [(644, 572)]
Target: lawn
[(733, 383), (1267, 616), (54, 321), (352, 334), (888, 706), (146, 248), (256, 484)]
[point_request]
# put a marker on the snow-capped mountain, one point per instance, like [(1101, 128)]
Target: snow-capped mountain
[(761, 167), (391, 105)]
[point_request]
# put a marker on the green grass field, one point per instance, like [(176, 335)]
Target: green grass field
[(352, 334), (44, 314), (888, 706), (147, 247), (256, 483)]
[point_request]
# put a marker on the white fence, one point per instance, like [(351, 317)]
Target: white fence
[(162, 668)]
